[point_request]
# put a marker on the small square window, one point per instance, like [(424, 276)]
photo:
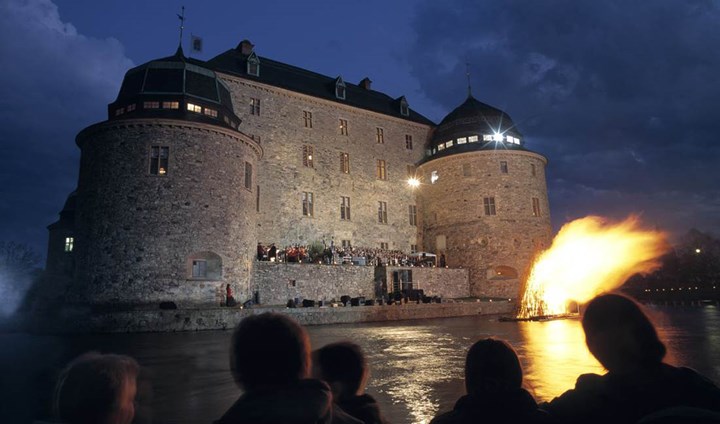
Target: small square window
[(171, 105), (462, 140), (151, 105), (473, 139), (194, 108), (69, 244)]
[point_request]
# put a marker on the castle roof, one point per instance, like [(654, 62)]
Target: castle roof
[(235, 62), (166, 88)]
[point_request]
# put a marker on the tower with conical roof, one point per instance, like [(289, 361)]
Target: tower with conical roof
[(165, 197), (484, 202)]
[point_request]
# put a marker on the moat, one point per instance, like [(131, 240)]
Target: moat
[(416, 366)]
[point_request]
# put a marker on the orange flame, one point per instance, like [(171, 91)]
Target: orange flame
[(589, 256)]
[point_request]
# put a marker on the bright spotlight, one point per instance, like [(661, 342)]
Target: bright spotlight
[(698, 250), (413, 182), (498, 137)]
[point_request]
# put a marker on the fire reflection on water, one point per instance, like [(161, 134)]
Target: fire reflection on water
[(554, 355)]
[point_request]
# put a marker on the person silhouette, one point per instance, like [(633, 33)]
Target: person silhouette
[(493, 381), (637, 383)]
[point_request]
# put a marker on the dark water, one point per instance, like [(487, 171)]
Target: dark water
[(416, 365)]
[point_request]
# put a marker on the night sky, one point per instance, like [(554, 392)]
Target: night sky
[(622, 96)]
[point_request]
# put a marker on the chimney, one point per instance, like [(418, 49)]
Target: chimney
[(365, 83), (245, 47)]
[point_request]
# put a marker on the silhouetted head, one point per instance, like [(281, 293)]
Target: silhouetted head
[(97, 389), (491, 366), (269, 350), (342, 365), (620, 335)]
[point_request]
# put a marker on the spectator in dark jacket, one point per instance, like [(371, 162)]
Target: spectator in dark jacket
[(342, 365), (270, 360), (493, 381), (638, 383)]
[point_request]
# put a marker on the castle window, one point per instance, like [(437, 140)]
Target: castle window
[(151, 105), (408, 141), (307, 203), (413, 248), (194, 108), (340, 88), (536, 206), (380, 136), (171, 105), (472, 139), (254, 106), (382, 212), (384, 245), (345, 243), (503, 167), (345, 208), (343, 127), (487, 137), (381, 172), (462, 140), (119, 111), (205, 266), (532, 169), (441, 147), (434, 177), (345, 163), (130, 107), (69, 244), (308, 156), (404, 108), (449, 144), (412, 212), (159, 160), (253, 65), (307, 116), (248, 176), (210, 112), (489, 203), (467, 171)]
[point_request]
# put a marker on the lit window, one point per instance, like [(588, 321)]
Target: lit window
[(307, 116), (343, 127), (199, 268), (130, 107), (434, 177), (171, 105), (69, 244), (462, 140), (503, 167), (441, 147), (379, 136), (449, 143), (307, 203), (345, 208), (210, 112), (340, 89), (253, 65), (532, 169), (308, 156), (254, 106), (487, 137), (408, 142), (345, 163), (489, 203), (536, 206), (194, 108), (381, 170), (248, 175), (472, 139), (159, 160), (151, 105), (382, 212), (120, 111), (412, 212)]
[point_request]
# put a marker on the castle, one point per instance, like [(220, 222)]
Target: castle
[(199, 161)]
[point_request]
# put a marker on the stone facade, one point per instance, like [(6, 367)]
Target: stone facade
[(137, 233), (496, 245), (283, 176), (447, 283)]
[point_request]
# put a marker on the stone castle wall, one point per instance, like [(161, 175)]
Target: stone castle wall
[(137, 233), (448, 283), (453, 210), (283, 177)]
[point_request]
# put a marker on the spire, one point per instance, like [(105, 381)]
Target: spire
[(182, 27), (467, 73)]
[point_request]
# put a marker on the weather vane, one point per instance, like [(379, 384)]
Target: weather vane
[(182, 23)]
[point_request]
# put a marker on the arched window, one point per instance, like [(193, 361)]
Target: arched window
[(502, 272), (340, 88), (253, 65), (204, 266)]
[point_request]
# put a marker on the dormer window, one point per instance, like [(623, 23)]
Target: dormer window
[(404, 108), (340, 88), (253, 65)]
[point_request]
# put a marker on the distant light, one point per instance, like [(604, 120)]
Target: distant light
[(413, 182), (698, 250), (498, 137)]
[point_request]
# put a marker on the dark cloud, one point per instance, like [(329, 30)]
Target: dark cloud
[(54, 82), (620, 95)]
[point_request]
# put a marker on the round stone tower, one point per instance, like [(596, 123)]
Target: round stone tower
[(165, 203), (483, 199)]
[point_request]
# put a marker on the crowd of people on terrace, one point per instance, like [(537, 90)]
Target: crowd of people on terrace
[(331, 254), (283, 381)]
